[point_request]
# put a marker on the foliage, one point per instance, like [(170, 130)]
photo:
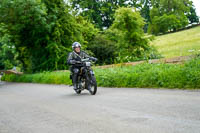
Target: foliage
[(133, 44), (168, 15), (130, 23), (167, 23), (183, 76), (38, 33), (104, 49), (62, 32), (43, 32), (192, 16), (145, 12), (100, 12), (8, 52), (152, 76), (87, 30), (20, 20)]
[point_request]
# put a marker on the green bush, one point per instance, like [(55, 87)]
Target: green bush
[(103, 49)]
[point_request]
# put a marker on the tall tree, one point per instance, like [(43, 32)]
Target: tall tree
[(63, 30)]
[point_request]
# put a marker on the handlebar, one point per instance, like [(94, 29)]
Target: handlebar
[(83, 61), (89, 59)]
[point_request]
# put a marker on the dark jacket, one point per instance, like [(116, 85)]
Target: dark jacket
[(73, 56)]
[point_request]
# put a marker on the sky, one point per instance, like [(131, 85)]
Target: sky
[(197, 6)]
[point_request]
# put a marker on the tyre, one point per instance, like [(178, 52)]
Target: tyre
[(78, 86), (92, 85)]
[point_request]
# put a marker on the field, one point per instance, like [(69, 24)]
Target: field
[(180, 43)]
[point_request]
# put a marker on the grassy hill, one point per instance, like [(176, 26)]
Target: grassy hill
[(181, 43)]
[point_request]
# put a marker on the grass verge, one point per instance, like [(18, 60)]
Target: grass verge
[(45, 77), (183, 76)]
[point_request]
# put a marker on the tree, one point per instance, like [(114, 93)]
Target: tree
[(145, 12), (104, 49), (8, 52), (167, 15), (129, 24), (62, 32), (167, 23), (192, 16), (25, 21), (43, 31), (100, 12), (88, 30)]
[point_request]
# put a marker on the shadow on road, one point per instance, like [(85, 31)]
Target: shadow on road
[(2, 83), (83, 94)]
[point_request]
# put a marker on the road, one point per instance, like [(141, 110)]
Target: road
[(41, 108)]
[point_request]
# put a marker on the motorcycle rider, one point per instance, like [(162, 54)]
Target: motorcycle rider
[(74, 58)]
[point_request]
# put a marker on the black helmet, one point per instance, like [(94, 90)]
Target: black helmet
[(75, 45)]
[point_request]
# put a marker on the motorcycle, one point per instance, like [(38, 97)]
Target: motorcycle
[(86, 79)]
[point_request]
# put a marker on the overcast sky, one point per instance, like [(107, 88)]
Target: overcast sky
[(197, 6)]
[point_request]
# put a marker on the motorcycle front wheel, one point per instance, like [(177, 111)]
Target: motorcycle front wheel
[(92, 85), (78, 91)]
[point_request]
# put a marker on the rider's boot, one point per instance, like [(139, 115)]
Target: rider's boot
[(74, 80), (75, 86)]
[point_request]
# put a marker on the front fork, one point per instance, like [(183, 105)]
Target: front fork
[(85, 80), (90, 76)]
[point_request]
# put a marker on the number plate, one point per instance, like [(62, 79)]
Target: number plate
[(87, 63)]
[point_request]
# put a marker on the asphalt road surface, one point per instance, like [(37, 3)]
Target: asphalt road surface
[(40, 108)]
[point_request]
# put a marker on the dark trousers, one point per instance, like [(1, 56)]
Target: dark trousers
[(75, 71)]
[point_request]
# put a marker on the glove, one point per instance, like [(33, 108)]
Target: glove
[(93, 59), (73, 61), (78, 62)]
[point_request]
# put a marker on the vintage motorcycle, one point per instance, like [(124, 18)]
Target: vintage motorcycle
[(86, 79)]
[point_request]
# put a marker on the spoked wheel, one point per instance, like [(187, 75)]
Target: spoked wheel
[(92, 86)]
